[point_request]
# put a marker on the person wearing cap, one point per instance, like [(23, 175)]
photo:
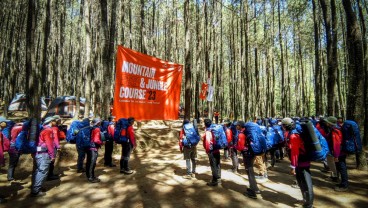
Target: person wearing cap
[(57, 136), (44, 156), (216, 114), (334, 140), (189, 152), (127, 148), (92, 153), (109, 143), (299, 162)]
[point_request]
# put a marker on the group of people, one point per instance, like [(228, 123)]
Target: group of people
[(48, 145), (293, 146)]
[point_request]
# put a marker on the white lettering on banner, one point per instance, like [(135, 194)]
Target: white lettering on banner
[(126, 92), (138, 69), (156, 85)]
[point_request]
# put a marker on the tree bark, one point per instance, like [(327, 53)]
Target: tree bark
[(355, 96)]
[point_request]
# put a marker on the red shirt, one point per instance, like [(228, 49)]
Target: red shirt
[(208, 142), (181, 135), (334, 142), (46, 139), (295, 146), (2, 160), (96, 138), (321, 130), (111, 130), (130, 134), (229, 135)]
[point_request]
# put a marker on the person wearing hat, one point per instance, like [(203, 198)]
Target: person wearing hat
[(127, 148), (109, 143), (57, 136), (334, 140), (299, 163), (92, 153), (44, 156)]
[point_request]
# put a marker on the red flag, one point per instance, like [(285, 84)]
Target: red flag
[(203, 93)]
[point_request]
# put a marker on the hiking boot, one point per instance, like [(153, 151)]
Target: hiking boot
[(213, 183), (189, 176), (295, 185), (333, 179), (341, 189), (53, 177), (259, 177), (81, 170), (94, 180), (127, 172), (110, 165), (251, 194), (38, 194), (256, 192), (11, 179)]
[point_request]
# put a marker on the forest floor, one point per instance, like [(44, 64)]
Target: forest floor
[(158, 180)]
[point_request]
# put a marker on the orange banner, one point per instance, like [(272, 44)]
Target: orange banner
[(146, 88), (203, 93)]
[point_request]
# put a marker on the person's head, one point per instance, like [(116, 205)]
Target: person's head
[(340, 120), (186, 121), (330, 121), (111, 118), (227, 122), (96, 122), (207, 122), (287, 124), (131, 121), (3, 122), (51, 120), (239, 125)]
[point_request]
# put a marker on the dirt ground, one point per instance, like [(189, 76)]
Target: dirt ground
[(158, 180)]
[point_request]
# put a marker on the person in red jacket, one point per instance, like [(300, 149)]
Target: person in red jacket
[(92, 153), (2, 160), (127, 148), (299, 162), (56, 136), (43, 157), (334, 140), (109, 143)]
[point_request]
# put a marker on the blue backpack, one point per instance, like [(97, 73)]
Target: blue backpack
[(75, 126), (351, 142), (275, 137), (191, 136), (82, 133), (256, 140), (120, 134), (27, 140), (105, 136), (220, 140), (314, 143), (235, 133)]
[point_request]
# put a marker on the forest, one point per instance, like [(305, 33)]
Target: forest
[(270, 58)]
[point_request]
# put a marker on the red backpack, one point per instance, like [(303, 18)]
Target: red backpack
[(240, 146)]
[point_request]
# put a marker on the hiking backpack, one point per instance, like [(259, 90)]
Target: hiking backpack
[(105, 136), (191, 137), (315, 144), (235, 133), (7, 135), (220, 140), (120, 133), (83, 135), (275, 137), (71, 132), (351, 140), (256, 140), (27, 140)]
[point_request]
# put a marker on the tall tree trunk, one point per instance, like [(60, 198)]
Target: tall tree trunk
[(317, 73), (355, 94), (283, 91), (88, 63), (188, 61), (44, 87)]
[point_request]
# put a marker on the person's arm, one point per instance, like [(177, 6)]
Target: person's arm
[(47, 136), (294, 146), (181, 135), (131, 136)]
